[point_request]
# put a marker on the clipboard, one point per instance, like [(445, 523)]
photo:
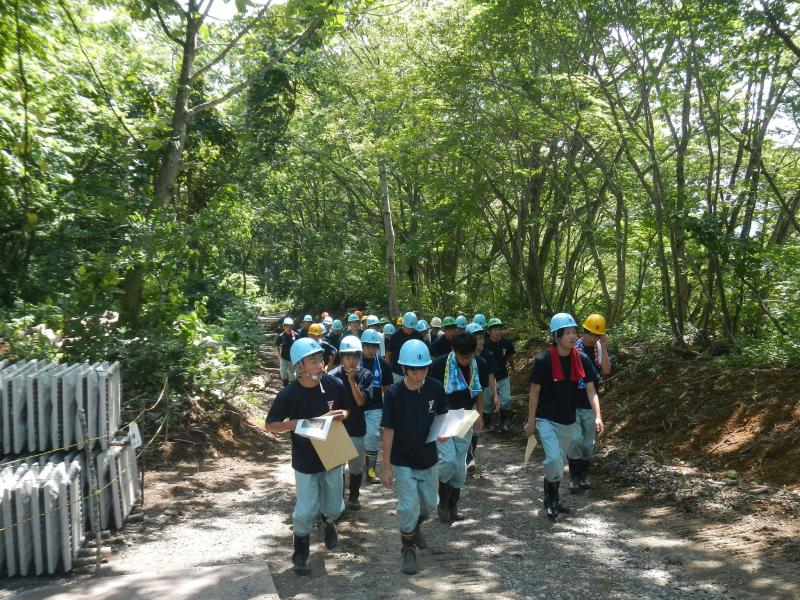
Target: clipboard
[(336, 449)]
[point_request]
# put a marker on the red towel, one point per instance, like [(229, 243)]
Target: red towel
[(576, 371)]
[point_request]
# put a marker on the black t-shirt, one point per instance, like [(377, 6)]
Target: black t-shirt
[(399, 338), (347, 332), (502, 350), (410, 414), (441, 346), (355, 423), (334, 339), (299, 402), (491, 363), (302, 332), (463, 398), (589, 351), (558, 401), (284, 341), (376, 401)]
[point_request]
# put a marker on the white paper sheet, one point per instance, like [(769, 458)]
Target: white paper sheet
[(446, 425), (316, 428)]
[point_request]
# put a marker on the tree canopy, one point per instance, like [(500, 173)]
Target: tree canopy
[(516, 158)]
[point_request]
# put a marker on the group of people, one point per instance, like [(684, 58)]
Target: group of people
[(376, 375)]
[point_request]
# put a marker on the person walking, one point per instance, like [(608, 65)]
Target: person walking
[(409, 408), (373, 409), (560, 376), (503, 351), (357, 383), (594, 344), (463, 376), (284, 341), (312, 394)]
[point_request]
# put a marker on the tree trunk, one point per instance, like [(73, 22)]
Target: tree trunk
[(388, 231), (173, 151)]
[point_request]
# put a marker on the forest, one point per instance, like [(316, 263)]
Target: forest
[(171, 170)]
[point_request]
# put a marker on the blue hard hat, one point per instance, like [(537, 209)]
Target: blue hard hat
[(561, 320), (302, 348), (422, 325), (461, 322), (370, 336), (308, 318), (350, 343), (372, 320), (337, 325), (388, 329), (327, 321), (352, 317), (480, 319), (414, 353), (474, 328), (410, 320)]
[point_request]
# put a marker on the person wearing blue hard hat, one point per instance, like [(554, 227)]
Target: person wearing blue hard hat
[(388, 332), (312, 394), (284, 341), (422, 329), (503, 351), (334, 338), (480, 319), (406, 331), (354, 325), (373, 409), (461, 324), (560, 376), (374, 323), (357, 383), (464, 376), (303, 331), (489, 395), (409, 408)]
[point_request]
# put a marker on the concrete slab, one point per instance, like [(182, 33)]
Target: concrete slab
[(251, 581)]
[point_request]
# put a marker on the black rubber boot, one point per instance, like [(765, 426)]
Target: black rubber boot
[(551, 499), (420, 541), (574, 475), (487, 421), (504, 421), (300, 555), (331, 535), (584, 483), (443, 510), (473, 446), (562, 510), (355, 487), (372, 464), (409, 554), (452, 504)]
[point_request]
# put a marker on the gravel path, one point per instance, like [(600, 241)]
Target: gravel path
[(618, 543)]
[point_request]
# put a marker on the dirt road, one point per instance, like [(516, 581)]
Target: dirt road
[(622, 540)]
